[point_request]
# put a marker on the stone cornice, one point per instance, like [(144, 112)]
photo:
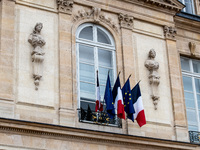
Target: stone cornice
[(12, 126), (187, 24), (173, 5)]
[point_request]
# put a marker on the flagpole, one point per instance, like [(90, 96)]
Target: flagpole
[(99, 100), (126, 114), (119, 73)]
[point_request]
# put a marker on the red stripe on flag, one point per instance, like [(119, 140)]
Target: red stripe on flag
[(141, 118), (120, 110), (97, 106)]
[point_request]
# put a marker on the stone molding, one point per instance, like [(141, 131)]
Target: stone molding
[(170, 32), (154, 78), (27, 128), (37, 41), (97, 16), (172, 5), (65, 6), (126, 21)]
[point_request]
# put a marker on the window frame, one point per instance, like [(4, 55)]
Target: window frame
[(193, 76), (96, 45)]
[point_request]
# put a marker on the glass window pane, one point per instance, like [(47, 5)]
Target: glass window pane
[(197, 85), (188, 4), (105, 58), (196, 66), (185, 64), (87, 73), (87, 90), (103, 74), (189, 95), (86, 54), (187, 83), (102, 91), (102, 37), (191, 117), (198, 101), (189, 100), (189, 103), (87, 33), (192, 128), (84, 105)]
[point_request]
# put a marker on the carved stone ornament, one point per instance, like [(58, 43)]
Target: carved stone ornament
[(97, 16), (154, 78), (170, 5), (126, 21), (169, 32), (155, 101), (37, 41), (65, 6), (192, 47)]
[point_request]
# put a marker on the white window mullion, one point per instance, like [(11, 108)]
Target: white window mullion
[(114, 65), (78, 77), (95, 33)]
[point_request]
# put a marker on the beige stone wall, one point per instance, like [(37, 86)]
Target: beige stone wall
[(44, 100), (55, 102), (160, 121)]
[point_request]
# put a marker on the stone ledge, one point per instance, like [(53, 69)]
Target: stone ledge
[(13, 126)]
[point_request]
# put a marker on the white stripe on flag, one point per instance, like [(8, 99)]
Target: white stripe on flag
[(138, 106)]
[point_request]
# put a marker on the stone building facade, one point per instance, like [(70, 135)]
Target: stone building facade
[(40, 75)]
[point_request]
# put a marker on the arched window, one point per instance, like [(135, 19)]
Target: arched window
[(95, 51)]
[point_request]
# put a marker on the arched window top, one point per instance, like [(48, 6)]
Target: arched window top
[(94, 34)]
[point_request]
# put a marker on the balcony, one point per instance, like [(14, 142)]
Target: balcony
[(194, 137), (98, 118)]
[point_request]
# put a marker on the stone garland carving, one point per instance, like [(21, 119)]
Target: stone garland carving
[(37, 41), (154, 78), (65, 6), (126, 21), (192, 47), (169, 32), (97, 16)]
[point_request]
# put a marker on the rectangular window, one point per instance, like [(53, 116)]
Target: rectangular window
[(191, 82), (189, 6)]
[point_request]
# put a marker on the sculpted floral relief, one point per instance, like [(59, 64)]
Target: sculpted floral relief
[(97, 16), (37, 41)]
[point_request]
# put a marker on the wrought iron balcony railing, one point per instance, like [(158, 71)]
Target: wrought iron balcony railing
[(194, 137), (99, 118)]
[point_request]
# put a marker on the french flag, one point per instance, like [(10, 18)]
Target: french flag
[(139, 114), (118, 99), (98, 106)]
